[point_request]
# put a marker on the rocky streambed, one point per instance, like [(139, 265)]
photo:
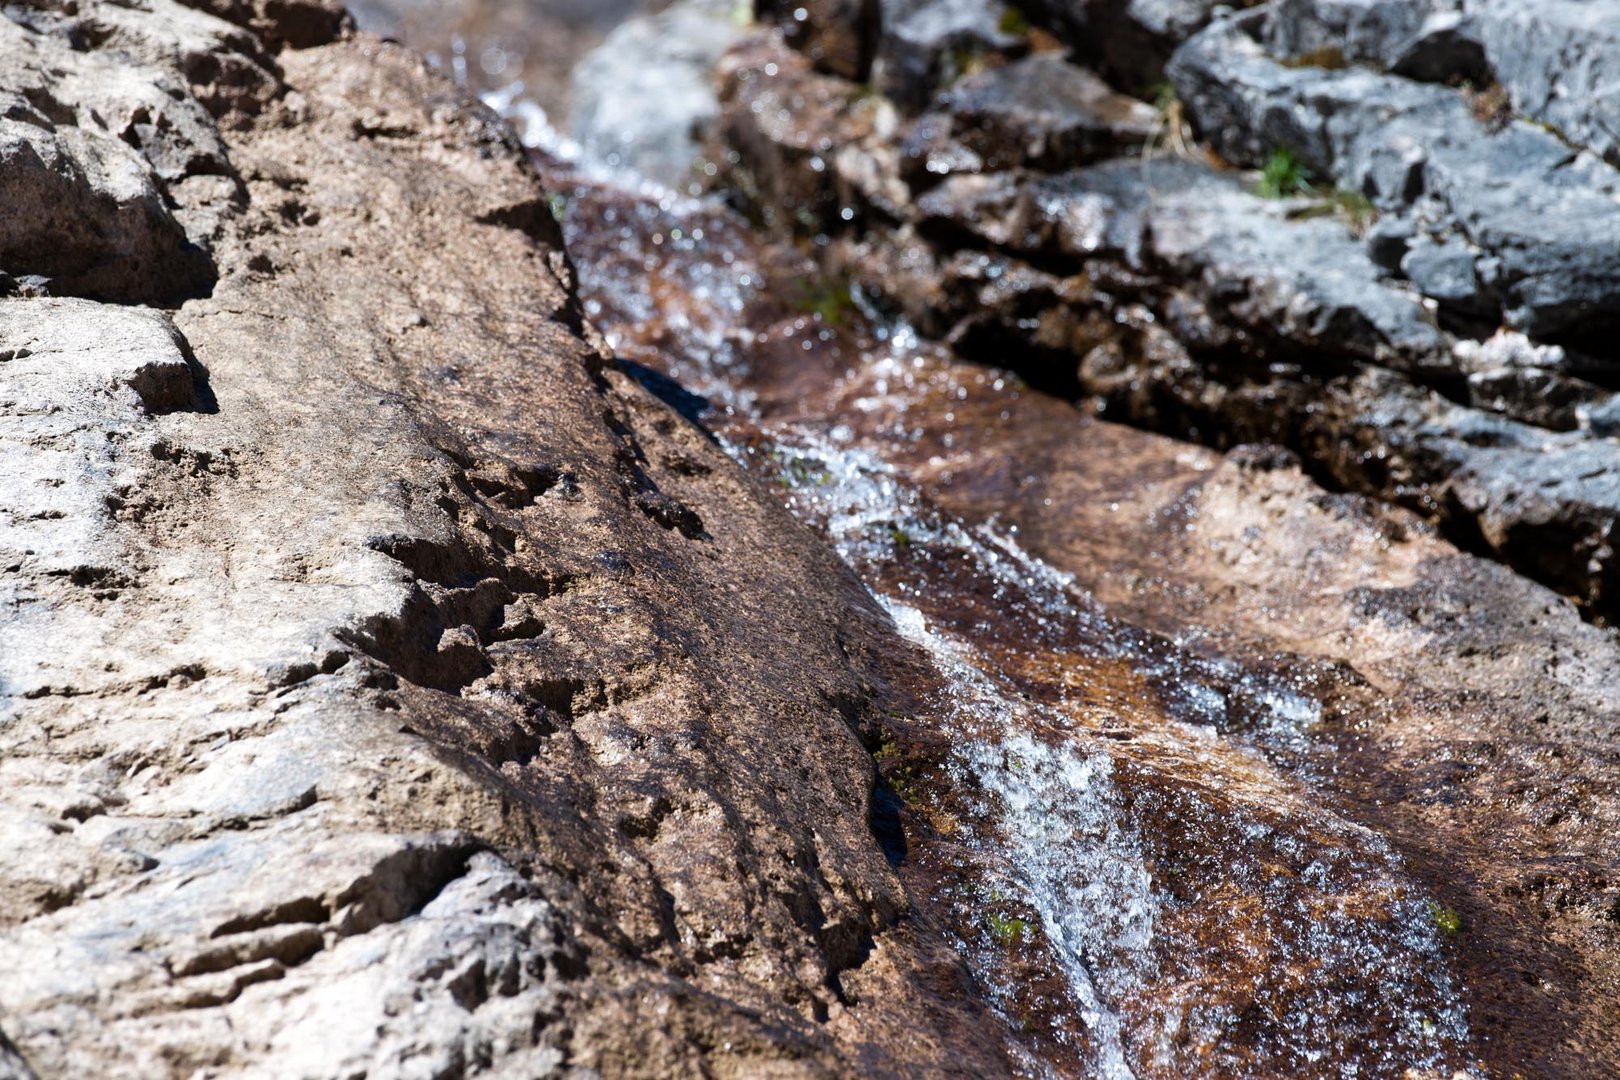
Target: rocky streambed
[(679, 598)]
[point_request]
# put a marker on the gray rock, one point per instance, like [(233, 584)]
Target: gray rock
[(1129, 41), (1388, 240), (1602, 417), (12, 1064), (1447, 47), (1336, 32), (1428, 40), (1300, 281), (926, 44), (1042, 112), (1444, 271), (143, 106), (1305, 283), (1547, 220), (1559, 60)]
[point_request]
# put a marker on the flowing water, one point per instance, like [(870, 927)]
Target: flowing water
[(1122, 832), (1119, 831)]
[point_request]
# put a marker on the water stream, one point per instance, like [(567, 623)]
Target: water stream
[(1119, 831), (1123, 832)]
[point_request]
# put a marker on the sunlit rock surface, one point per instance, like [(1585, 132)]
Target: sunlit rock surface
[(422, 662)]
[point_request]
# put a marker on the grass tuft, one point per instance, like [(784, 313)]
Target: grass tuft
[(1283, 176)]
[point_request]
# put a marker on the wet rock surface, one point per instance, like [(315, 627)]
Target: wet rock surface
[(1115, 594)]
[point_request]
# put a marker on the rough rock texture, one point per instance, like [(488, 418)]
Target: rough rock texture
[(1035, 112), (1544, 222), (1558, 61), (389, 684), (927, 44), (1128, 40)]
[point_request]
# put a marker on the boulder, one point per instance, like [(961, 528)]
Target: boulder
[(1558, 62), (1546, 221), (928, 44), (1040, 112)]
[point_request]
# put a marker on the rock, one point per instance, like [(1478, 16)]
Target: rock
[(1433, 41), (90, 218), (839, 36), (1384, 659), (1548, 221), (1444, 271), (1557, 62), (1389, 239), (1128, 41), (1294, 282), (807, 152), (1300, 283), (1539, 501), (298, 24), (928, 44), (1043, 113)]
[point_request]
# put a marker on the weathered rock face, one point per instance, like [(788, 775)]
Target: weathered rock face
[(391, 685)]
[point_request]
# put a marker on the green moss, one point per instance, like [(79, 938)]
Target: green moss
[(1446, 919), (559, 205), (1283, 176), (831, 302), (900, 775), (962, 61), (898, 534), (1013, 22), (1006, 930), (799, 471), (1162, 96)]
